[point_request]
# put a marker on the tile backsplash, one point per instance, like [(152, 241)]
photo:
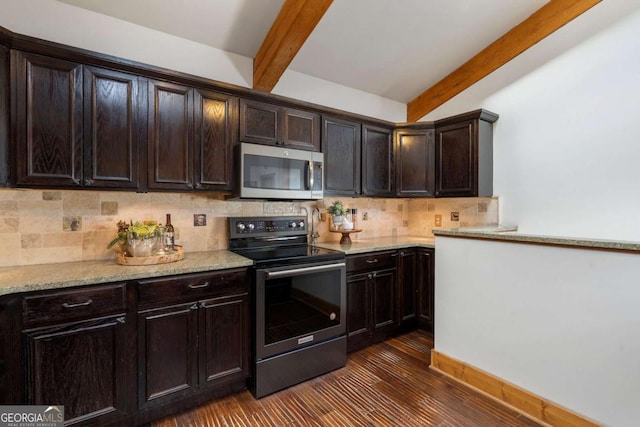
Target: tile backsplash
[(50, 226)]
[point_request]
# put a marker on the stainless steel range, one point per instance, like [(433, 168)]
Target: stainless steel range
[(299, 301)]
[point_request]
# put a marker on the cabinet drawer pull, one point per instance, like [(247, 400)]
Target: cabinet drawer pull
[(202, 285), (80, 304), (372, 261)]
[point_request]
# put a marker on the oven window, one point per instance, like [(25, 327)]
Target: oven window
[(274, 173), (301, 305)]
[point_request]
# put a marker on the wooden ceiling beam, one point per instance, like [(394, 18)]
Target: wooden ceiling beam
[(543, 22), (291, 28)]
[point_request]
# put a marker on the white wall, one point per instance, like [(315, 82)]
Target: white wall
[(567, 144), (66, 24), (561, 323)]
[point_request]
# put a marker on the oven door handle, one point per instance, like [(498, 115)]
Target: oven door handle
[(312, 269)]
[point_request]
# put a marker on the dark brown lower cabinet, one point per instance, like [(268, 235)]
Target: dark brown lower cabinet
[(185, 348), (193, 340), (74, 352), (81, 366), (425, 286), (167, 338), (370, 299), (408, 290), (126, 353), (388, 293)]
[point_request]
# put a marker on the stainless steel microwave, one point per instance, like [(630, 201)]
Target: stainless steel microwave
[(272, 172)]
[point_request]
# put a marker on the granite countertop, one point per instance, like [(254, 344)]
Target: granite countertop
[(511, 234), (379, 244), (52, 276), (63, 275)]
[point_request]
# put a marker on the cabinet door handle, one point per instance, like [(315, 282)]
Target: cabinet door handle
[(80, 304), (202, 285), (372, 261)]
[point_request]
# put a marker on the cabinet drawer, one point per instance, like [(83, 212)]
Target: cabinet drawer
[(371, 261), (76, 304), (192, 286)]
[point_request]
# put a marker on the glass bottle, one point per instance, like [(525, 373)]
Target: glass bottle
[(354, 218), (169, 241)]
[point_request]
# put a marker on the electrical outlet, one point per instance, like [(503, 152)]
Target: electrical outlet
[(323, 217), (455, 216), (438, 220)]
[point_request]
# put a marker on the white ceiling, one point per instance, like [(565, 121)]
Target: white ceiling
[(392, 48)]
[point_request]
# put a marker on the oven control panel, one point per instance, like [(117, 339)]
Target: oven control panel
[(243, 226)]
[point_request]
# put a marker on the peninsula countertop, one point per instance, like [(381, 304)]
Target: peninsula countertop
[(511, 234)]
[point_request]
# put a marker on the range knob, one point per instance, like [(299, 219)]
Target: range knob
[(250, 226), (301, 224), (240, 226), (293, 224)]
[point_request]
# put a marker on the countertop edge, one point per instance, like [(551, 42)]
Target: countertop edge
[(510, 234)]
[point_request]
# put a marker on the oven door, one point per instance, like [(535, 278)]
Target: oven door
[(299, 305)]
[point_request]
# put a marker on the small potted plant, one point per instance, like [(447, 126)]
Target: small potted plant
[(337, 211)]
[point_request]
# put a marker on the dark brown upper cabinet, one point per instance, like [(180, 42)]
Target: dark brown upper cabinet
[(415, 162), (115, 119), (263, 123), (170, 141), (377, 161), (47, 109), (301, 129), (216, 132), (75, 125), (260, 122), (464, 155), (341, 145)]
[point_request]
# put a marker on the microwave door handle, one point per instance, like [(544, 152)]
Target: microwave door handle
[(310, 175)]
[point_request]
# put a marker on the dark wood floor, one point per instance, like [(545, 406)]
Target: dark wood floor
[(388, 384)]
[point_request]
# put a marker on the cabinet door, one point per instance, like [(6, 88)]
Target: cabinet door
[(170, 119), (260, 122), (407, 291), (377, 161), (216, 132), (456, 160), (4, 116), (425, 280), (358, 311), (383, 304), (223, 339), (167, 355), (341, 147), (48, 117), (415, 163), (81, 366), (301, 129), (115, 120)]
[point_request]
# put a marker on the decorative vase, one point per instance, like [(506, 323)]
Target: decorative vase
[(346, 224), (141, 247), (337, 221)]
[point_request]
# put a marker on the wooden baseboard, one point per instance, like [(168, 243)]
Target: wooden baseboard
[(523, 401)]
